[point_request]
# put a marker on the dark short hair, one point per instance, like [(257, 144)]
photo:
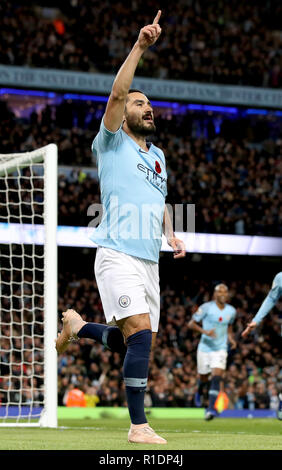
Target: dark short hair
[(134, 90)]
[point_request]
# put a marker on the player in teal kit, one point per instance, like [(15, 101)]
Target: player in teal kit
[(269, 302), (217, 317), (133, 183)]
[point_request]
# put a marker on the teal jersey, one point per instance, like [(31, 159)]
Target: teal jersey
[(133, 186), (212, 317), (272, 297)]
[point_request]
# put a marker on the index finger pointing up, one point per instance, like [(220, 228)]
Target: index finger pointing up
[(156, 20)]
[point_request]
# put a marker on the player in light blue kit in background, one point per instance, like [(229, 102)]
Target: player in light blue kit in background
[(269, 302), (217, 317)]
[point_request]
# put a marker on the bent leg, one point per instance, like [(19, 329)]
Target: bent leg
[(75, 327), (110, 336), (72, 323)]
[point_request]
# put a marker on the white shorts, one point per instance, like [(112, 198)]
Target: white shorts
[(206, 361), (127, 285)]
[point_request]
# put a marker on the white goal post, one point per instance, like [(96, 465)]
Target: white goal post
[(28, 289)]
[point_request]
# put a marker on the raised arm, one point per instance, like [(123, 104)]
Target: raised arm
[(116, 103)]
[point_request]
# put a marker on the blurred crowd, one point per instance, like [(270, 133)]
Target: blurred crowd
[(229, 166), (202, 40), (253, 377), (22, 325), (254, 369)]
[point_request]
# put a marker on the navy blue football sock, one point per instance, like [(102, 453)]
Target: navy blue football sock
[(135, 372), (214, 390), (109, 336), (201, 386), (199, 393)]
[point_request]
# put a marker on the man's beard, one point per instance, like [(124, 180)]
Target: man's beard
[(139, 129)]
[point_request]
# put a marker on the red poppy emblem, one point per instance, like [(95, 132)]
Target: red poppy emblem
[(220, 319), (158, 167)]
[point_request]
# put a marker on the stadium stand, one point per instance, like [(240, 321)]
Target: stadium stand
[(254, 368), (218, 42), (229, 166)]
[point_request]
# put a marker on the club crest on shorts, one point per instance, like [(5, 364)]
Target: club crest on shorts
[(124, 301)]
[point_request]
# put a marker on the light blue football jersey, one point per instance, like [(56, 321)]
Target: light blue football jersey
[(212, 317), (272, 297), (133, 186)]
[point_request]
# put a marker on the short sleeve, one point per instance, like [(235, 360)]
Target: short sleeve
[(200, 314), (105, 140)]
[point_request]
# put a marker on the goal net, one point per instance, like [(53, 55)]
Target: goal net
[(28, 288)]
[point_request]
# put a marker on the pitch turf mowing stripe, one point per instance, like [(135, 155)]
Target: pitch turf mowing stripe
[(93, 428), (117, 441), (108, 412), (229, 434), (252, 426)]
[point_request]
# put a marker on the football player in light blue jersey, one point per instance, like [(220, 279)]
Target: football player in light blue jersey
[(269, 302), (132, 176), (216, 317)]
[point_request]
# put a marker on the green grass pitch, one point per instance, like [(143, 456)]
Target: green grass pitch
[(181, 434)]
